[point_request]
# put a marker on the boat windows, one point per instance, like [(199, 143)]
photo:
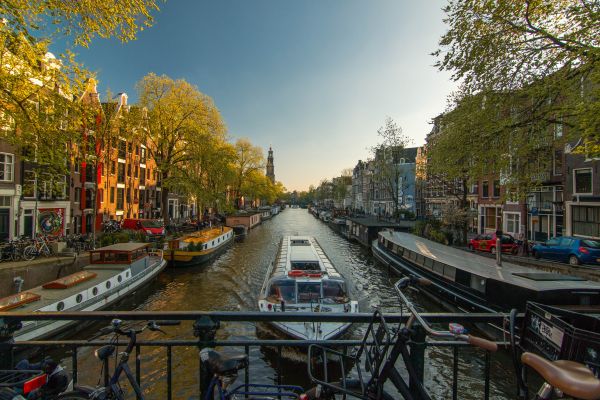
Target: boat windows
[(334, 291), (282, 290), (306, 265), (95, 291), (79, 298), (60, 306), (108, 284), (119, 278), (300, 242), (309, 291)]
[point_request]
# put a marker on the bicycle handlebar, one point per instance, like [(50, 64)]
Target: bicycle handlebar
[(473, 340)]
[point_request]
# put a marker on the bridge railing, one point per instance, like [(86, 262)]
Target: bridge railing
[(206, 324)]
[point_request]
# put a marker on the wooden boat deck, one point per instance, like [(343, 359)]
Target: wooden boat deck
[(486, 267)]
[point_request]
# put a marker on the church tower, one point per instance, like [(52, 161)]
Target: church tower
[(270, 167)]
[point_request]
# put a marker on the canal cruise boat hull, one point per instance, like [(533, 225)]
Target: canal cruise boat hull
[(472, 283), (303, 279), (114, 272), (199, 247)]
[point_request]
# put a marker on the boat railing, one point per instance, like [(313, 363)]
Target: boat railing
[(198, 329), (267, 277)]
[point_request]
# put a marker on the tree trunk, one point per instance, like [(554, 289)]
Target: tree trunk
[(465, 207), (164, 198)]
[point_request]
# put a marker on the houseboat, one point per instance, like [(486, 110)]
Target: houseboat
[(114, 272), (471, 283), (303, 279), (265, 213), (240, 232), (198, 247), (248, 218)]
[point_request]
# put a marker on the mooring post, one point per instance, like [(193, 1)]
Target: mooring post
[(7, 329), (205, 329), (417, 359)]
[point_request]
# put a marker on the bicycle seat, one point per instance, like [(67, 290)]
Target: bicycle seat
[(572, 378), (222, 364), (105, 351)]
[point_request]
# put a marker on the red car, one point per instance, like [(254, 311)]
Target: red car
[(488, 243)]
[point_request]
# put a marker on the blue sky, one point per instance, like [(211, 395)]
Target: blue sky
[(313, 78)]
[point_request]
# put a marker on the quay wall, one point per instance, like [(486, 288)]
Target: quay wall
[(37, 272)]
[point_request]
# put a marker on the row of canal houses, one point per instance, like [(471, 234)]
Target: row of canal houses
[(566, 203)]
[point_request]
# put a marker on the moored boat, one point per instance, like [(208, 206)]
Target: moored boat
[(303, 279), (198, 247), (473, 283), (240, 232), (113, 273)]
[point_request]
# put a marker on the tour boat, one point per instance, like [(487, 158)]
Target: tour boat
[(198, 247), (113, 273), (303, 279)]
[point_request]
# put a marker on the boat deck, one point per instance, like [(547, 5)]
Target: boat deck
[(206, 235), (486, 267)]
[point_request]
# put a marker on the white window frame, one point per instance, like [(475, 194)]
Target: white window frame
[(575, 181), (505, 219), (12, 167)]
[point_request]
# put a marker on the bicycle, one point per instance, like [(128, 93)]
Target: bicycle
[(561, 377), (382, 347), (111, 388), (38, 248), (223, 371)]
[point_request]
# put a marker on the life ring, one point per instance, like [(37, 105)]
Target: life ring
[(296, 272)]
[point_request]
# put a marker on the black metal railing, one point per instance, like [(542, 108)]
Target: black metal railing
[(207, 323)]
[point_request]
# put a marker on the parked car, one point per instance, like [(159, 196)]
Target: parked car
[(151, 227), (569, 249), (488, 243)]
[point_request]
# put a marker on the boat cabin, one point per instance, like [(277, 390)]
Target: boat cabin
[(303, 257), (296, 291), (120, 253)]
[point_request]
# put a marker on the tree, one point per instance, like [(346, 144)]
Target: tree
[(80, 21), (546, 50), (179, 118), (386, 159), (248, 160)]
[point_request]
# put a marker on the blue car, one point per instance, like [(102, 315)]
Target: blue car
[(569, 249)]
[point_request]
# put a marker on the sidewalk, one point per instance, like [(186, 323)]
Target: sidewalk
[(38, 271)]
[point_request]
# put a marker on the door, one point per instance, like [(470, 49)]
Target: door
[(563, 250), (551, 249), (4, 223)]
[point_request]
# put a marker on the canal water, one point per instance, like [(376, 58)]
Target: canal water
[(232, 283)]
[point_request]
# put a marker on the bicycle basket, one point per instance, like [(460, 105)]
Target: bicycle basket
[(560, 334)]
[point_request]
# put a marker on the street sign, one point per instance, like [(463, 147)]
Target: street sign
[(534, 211)]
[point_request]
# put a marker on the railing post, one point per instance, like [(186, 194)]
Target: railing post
[(417, 359), (7, 329), (205, 329)]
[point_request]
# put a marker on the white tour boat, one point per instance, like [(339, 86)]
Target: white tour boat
[(303, 279), (114, 272)]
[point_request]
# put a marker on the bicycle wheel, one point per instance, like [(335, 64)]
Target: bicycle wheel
[(29, 253)]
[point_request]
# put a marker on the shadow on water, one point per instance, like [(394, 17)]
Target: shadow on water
[(232, 282)]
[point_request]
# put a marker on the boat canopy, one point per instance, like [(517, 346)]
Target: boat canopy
[(120, 253), (328, 291)]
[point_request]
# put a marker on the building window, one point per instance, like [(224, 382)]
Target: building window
[(512, 223), (486, 189), (142, 176), (496, 188), (120, 198), (6, 167), (586, 221), (122, 149), (558, 162), (121, 173), (77, 195), (143, 156), (76, 165), (136, 172), (112, 194), (113, 167), (582, 181), (490, 217), (558, 130)]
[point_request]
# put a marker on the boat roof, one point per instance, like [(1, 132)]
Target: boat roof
[(122, 247), (486, 267), (206, 235), (303, 248)]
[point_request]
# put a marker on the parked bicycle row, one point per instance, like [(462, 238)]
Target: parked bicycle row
[(27, 248)]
